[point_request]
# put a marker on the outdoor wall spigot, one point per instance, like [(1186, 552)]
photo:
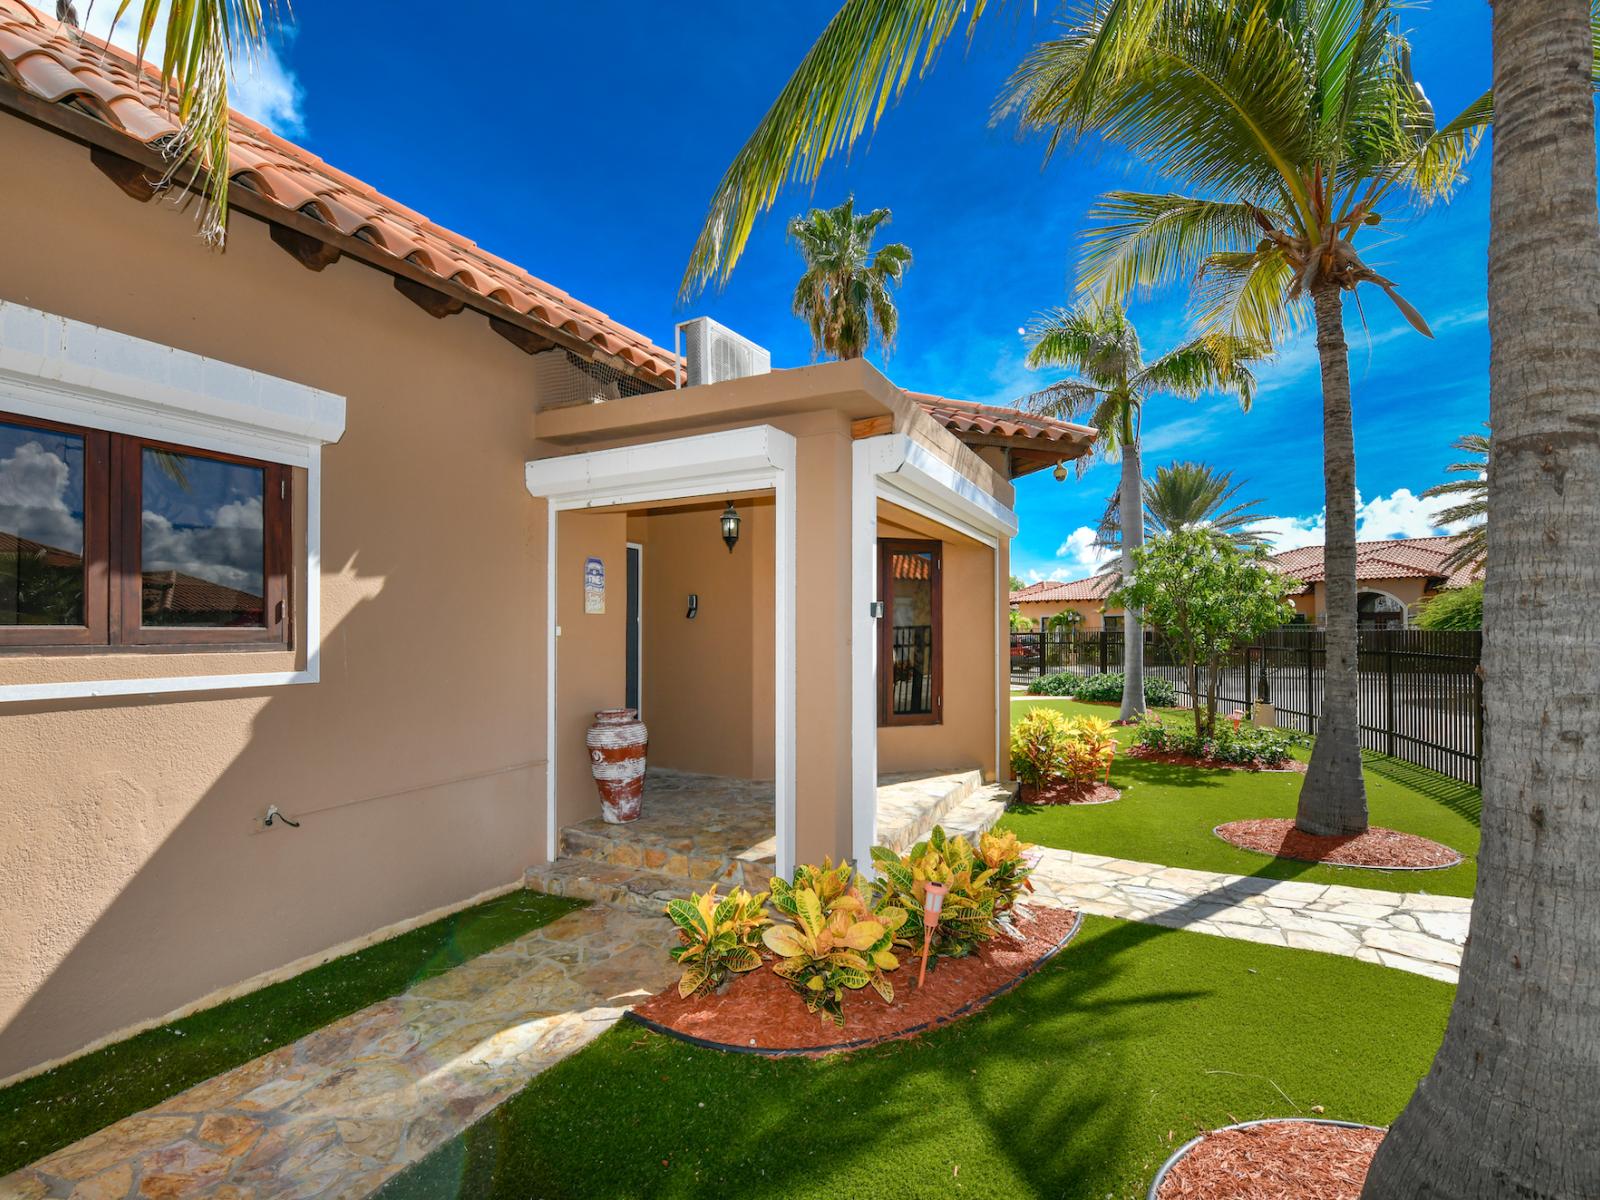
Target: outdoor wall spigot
[(274, 815), (694, 606)]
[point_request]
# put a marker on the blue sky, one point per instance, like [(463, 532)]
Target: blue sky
[(583, 141)]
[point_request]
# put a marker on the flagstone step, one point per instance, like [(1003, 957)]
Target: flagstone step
[(628, 888), (706, 857), (979, 813), (910, 805)]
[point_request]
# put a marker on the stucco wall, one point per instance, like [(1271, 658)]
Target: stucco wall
[(708, 682), (135, 873)]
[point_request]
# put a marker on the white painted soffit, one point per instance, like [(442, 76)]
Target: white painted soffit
[(902, 463), (702, 464), (56, 368)]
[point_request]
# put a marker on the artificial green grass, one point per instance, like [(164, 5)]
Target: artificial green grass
[(1167, 813), (1076, 1085), (54, 1109)]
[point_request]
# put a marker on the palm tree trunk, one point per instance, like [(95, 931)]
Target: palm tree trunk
[(1510, 1107), (1333, 799), (1131, 504)]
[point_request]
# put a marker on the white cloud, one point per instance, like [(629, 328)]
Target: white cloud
[(1082, 556), (1401, 514), (33, 505), (261, 85), (227, 551)]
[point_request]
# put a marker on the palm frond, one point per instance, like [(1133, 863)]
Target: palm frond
[(1137, 240), (1247, 294), (1212, 362), (857, 66), (202, 41)]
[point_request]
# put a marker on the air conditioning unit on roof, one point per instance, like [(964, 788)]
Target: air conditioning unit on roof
[(714, 353)]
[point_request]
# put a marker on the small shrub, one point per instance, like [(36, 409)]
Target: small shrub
[(828, 951), (1107, 689), (1039, 746), (1008, 856), (1090, 749), (1459, 608), (1064, 684), (719, 936), (971, 915), (1159, 692), (1248, 746)]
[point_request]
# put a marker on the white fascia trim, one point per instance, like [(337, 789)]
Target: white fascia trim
[(735, 460), (58, 369), (897, 468)]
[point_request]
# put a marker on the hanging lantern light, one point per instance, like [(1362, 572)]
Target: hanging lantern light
[(1060, 472), (730, 526)]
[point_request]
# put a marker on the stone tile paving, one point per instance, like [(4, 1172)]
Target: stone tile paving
[(1410, 931), (338, 1112)]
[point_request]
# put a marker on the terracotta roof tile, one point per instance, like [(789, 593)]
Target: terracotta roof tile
[(54, 63), (965, 416), (1390, 558), (1054, 591)]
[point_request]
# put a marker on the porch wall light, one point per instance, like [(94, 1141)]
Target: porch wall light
[(1060, 472), (730, 526)]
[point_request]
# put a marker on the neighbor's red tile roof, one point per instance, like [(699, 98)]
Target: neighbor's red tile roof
[(1050, 591), (49, 60), (1391, 558)]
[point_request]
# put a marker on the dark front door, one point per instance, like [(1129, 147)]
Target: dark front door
[(634, 623)]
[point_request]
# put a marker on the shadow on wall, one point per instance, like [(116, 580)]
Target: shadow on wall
[(143, 878)]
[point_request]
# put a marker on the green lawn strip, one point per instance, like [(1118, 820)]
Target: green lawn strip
[(1167, 813), (48, 1111), (1076, 1085)]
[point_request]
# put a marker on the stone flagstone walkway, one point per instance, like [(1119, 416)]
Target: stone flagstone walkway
[(335, 1114), (1410, 931)]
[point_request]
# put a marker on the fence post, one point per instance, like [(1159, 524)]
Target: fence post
[(1249, 704), (1477, 717), (1389, 717), (1311, 713), (1104, 636)]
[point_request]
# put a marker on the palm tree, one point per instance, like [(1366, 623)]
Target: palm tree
[(1186, 495), (1296, 126), (1113, 383), (1509, 1107), (201, 42), (1473, 543), (844, 294)]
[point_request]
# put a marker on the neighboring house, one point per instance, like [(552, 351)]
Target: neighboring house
[(1394, 576), (433, 512)]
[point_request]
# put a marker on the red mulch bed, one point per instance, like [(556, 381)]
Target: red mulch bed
[(1069, 792), (1293, 766), (1305, 1160), (760, 1012), (1377, 847)]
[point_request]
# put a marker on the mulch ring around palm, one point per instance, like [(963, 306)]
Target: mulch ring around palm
[(1382, 849), (1069, 791), (1292, 766), (759, 1013), (1270, 1160)]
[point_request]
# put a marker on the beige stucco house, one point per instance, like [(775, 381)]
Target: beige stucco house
[(357, 522), (1395, 577)]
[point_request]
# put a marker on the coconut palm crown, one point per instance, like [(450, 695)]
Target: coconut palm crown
[(845, 295), (1190, 495)]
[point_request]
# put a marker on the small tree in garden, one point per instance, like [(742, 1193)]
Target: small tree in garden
[(1208, 598)]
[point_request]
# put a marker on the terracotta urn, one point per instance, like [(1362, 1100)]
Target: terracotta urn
[(617, 742)]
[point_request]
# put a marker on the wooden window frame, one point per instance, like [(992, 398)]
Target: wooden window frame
[(887, 548), (113, 579)]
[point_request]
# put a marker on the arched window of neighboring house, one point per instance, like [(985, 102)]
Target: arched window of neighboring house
[(1379, 610)]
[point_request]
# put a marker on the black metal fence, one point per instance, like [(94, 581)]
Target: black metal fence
[(1421, 696)]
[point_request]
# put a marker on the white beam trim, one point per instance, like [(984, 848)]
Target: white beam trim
[(735, 460), (58, 369)]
